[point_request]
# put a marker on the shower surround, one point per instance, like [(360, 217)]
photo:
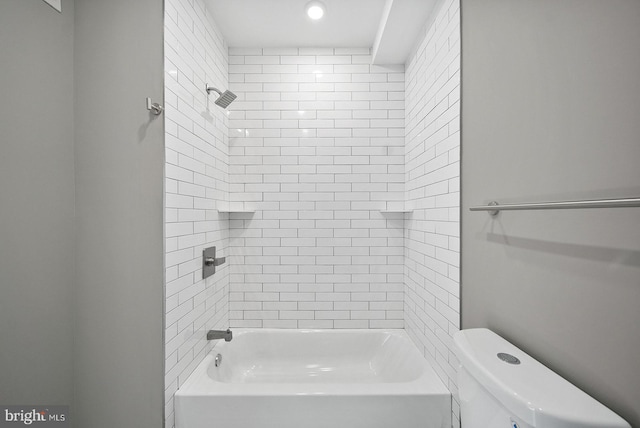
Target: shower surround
[(197, 181), (317, 149), (319, 144), (432, 162)]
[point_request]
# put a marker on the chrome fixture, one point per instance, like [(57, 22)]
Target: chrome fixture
[(225, 97), (155, 108), (220, 334), (507, 358), (218, 360), (494, 208), (210, 261)]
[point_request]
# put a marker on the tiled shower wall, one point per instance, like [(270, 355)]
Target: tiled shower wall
[(317, 149), (432, 233), (197, 179)]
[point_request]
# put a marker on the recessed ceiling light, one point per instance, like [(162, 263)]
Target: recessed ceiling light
[(315, 10)]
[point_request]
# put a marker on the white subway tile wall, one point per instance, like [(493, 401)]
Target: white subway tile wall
[(432, 179), (197, 180), (318, 144), (317, 149)]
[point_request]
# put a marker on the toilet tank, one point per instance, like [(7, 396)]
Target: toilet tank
[(502, 387)]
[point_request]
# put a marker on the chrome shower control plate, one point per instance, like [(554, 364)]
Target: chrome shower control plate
[(208, 262)]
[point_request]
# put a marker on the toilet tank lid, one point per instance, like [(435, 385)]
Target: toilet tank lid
[(532, 392)]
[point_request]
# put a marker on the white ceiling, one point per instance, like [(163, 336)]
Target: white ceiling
[(388, 27)]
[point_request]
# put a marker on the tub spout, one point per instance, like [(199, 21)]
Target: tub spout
[(220, 334)]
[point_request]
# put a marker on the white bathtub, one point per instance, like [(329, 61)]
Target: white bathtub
[(314, 379)]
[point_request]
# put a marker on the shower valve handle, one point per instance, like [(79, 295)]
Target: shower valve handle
[(211, 261)]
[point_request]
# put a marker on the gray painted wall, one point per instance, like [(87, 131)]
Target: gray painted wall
[(119, 295), (36, 202), (551, 108)]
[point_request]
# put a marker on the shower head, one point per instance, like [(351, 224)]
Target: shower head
[(225, 97)]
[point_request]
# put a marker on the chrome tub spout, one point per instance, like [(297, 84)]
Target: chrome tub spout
[(220, 334)]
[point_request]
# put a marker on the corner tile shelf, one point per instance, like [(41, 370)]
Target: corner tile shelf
[(230, 211), (235, 209), (396, 209)]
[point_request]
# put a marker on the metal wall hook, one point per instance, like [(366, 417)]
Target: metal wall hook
[(155, 108)]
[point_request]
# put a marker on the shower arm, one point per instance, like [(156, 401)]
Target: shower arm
[(211, 88)]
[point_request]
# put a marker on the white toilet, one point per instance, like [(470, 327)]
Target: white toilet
[(502, 387)]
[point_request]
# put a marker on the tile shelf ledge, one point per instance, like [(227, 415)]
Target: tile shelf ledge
[(397, 211), (234, 209)]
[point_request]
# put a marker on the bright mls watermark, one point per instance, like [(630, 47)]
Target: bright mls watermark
[(34, 416)]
